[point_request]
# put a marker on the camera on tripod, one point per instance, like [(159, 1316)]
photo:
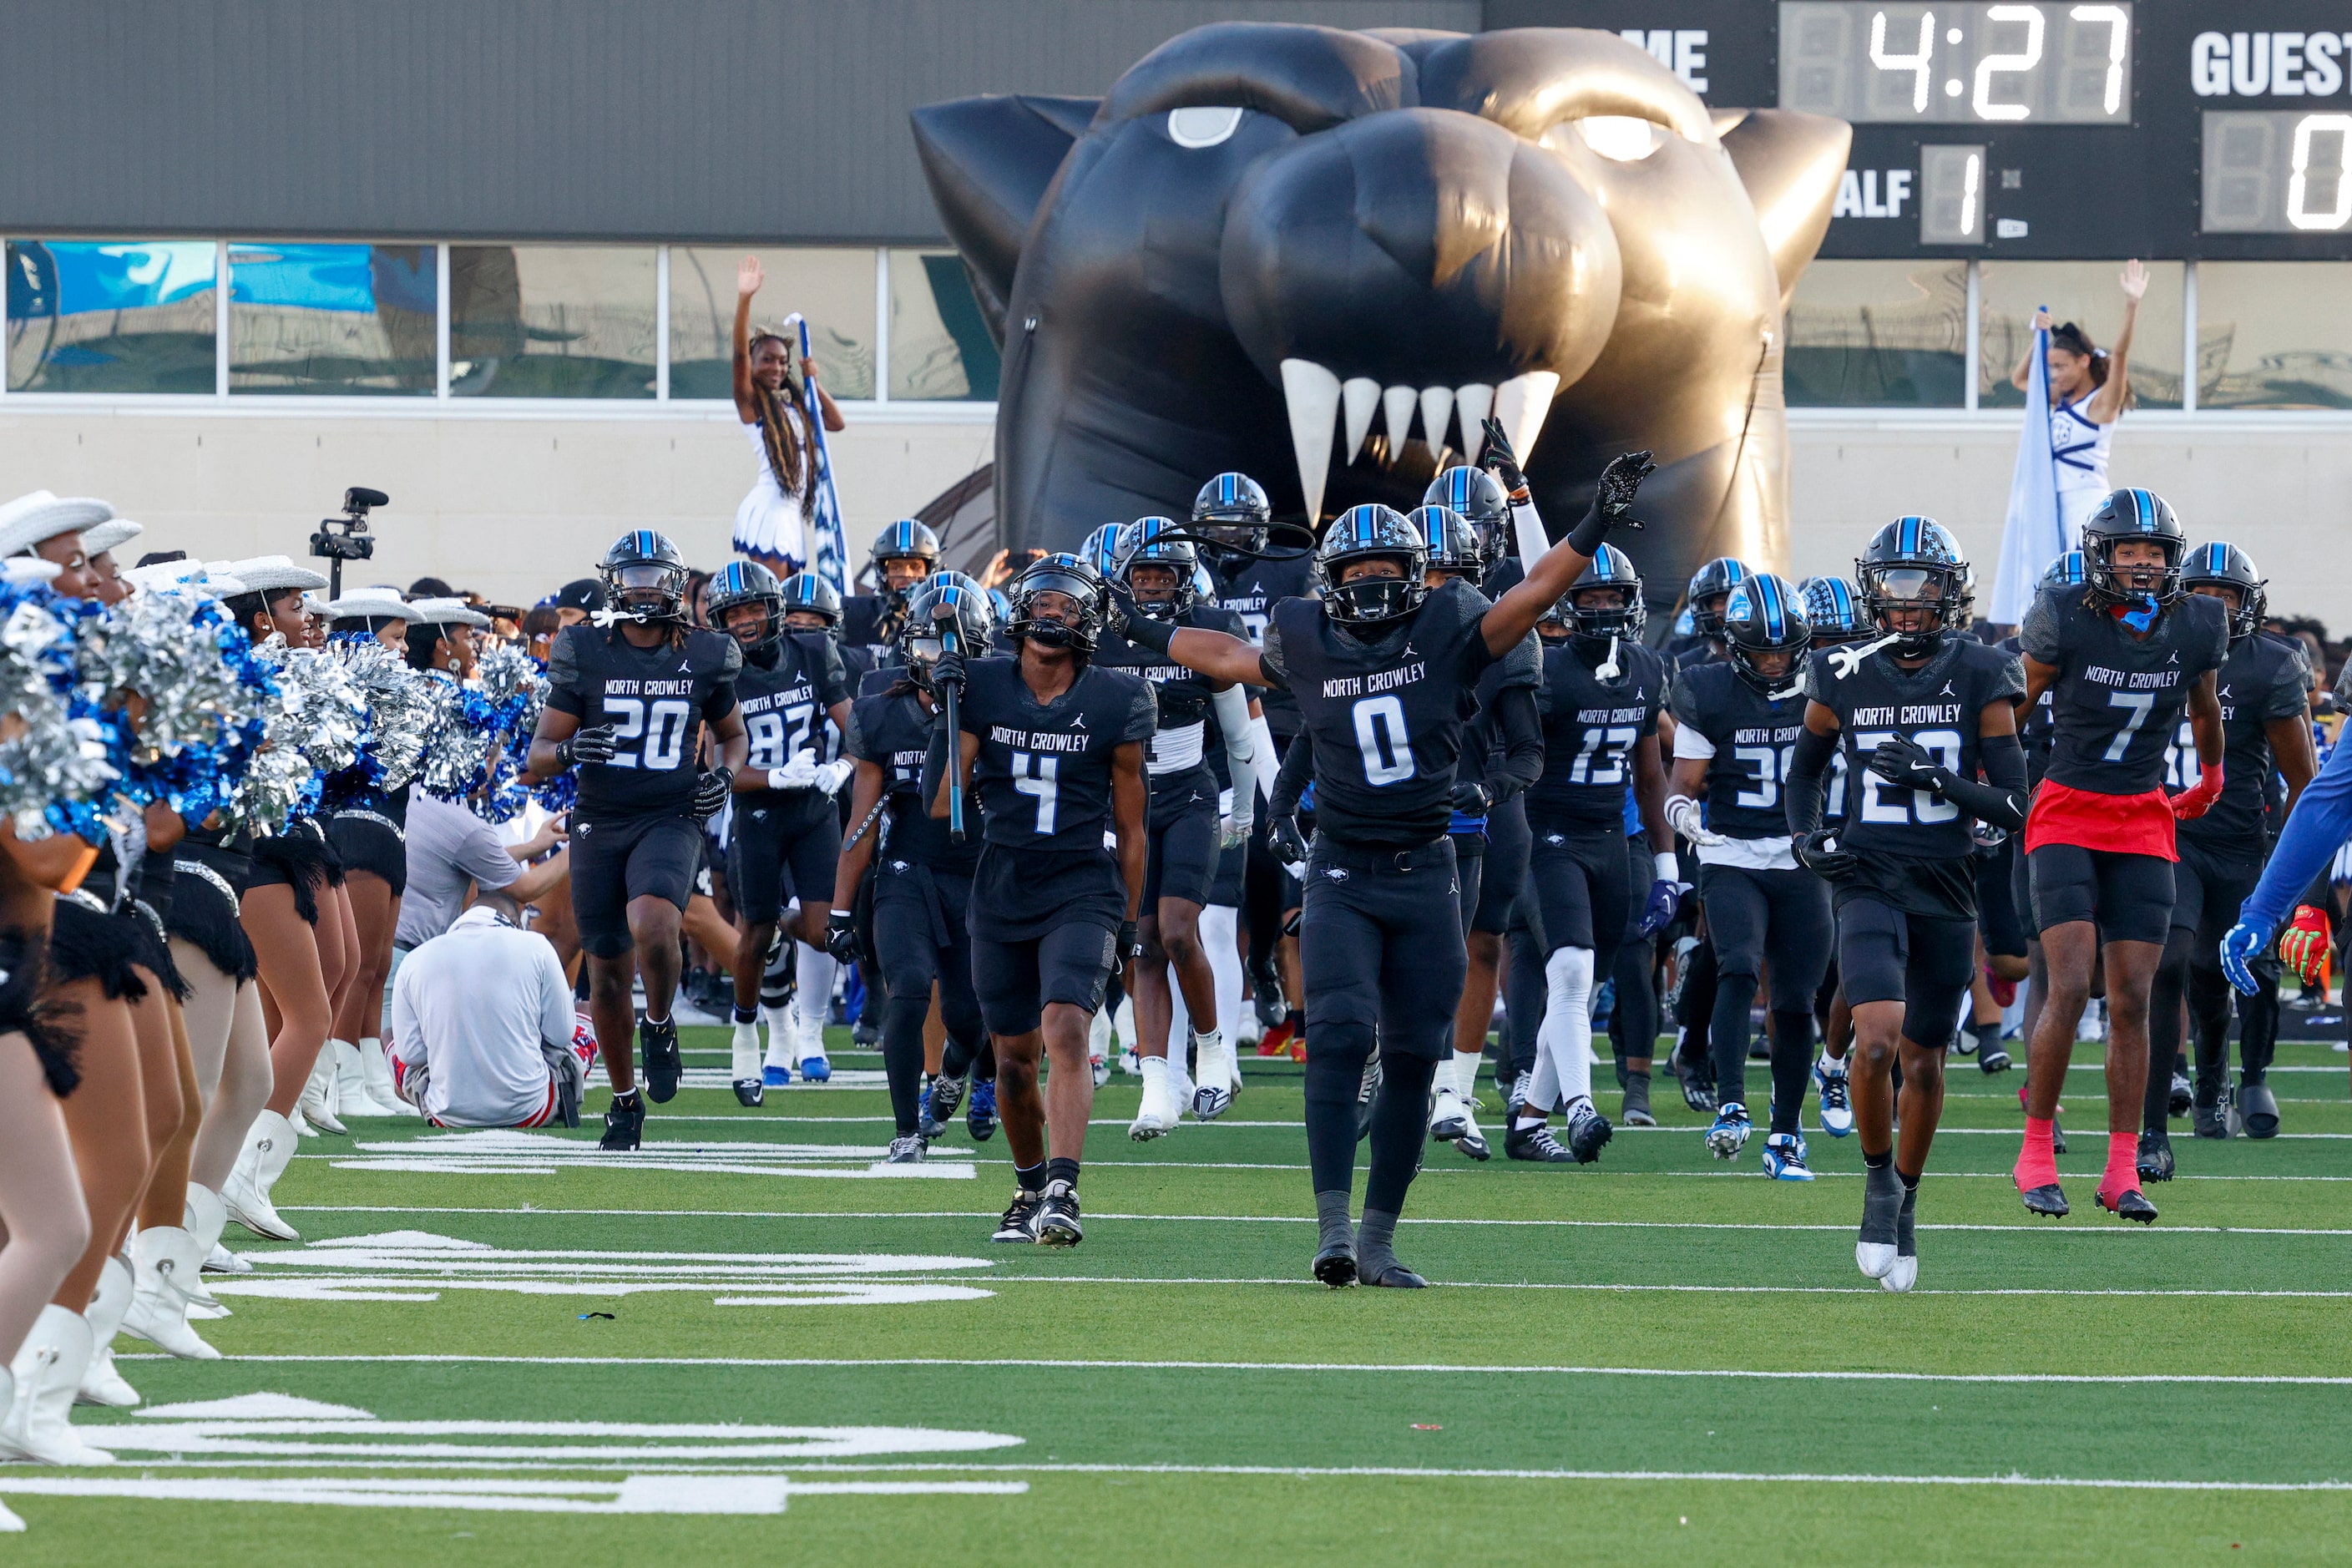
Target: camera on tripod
[(346, 538)]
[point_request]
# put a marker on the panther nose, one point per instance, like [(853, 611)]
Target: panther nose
[(1417, 260)]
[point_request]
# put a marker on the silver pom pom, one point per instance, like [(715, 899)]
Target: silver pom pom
[(404, 711)]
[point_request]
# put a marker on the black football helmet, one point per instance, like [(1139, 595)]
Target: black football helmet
[(2065, 571), (1612, 568), (644, 577), (1371, 533), (1232, 513), (1834, 610), (1147, 542), (1100, 550), (808, 593), (1719, 576), (1912, 564), (2128, 514), (2219, 566), (1071, 576), (1479, 497), (749, 583), (1762, 615), (905, 540), (920, 642), (1454, 547)]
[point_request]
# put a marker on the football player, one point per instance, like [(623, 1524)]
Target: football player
[(629, 693)]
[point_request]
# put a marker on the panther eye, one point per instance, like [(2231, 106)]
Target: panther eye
[(1619, 138), (1201, 127)]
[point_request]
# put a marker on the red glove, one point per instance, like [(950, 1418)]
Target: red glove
[(2199, 798), (2304, 945)]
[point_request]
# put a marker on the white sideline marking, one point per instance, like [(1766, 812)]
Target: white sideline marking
[(820, 1363), (1584, 1174), (1865, 1289), (1417, 1472), (510, 1152)]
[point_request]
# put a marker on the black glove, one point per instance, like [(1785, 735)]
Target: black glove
[(1289, 844), (710, 792), (948, 669), (1472, 799), (1500, 461), (1130, 944), (841, 936), (1619, 482), (1819, 853), (593, 744), (1900, 760)]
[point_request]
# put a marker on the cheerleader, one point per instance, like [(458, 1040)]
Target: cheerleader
[(2090, 389), (771, 523)]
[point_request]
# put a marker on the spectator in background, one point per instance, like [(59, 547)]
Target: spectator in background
[(539, 625), (451, 850), (772, 521), (577, 600)]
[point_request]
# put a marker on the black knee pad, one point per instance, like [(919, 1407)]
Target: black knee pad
[(1335, 1062)]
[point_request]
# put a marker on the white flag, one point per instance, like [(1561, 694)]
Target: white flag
[(828, 553), (2033, 535)]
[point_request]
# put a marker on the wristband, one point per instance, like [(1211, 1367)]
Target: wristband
[(1144, 632), (1665, 867)]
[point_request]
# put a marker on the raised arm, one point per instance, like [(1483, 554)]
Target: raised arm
[(749, 276), (1550, 575), (2107, 403)]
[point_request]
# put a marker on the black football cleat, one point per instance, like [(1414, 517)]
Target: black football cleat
[(943, 1098), (2131, 1204), (1992, 1059), (1397, 1277), (1588, 1130), (2258, 1109), (2057, 1136), (657, 1044), (2047, 1201), (2155, 1162), (1535, 1144), (1473, 1145), (1056, 1223), (1020, 1221), (749, 1092), (1368, 1094), (980, 1112), (1336, 1266), (2208, 1117), (2184, 1095), (624, 1124)]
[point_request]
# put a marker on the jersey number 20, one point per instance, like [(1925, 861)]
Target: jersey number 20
[(662, 727)]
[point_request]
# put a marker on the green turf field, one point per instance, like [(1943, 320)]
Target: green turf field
[(749, 1341)]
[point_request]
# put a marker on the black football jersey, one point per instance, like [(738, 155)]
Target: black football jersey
[(1179, 747), (1482, 745), (1755, 740), (656, 699), (2033, 727), (2265, 677), (892, 734), (787, 695), (1386, 716), (1042, 774), (1251, 592), (2117, 698), (1591, 728)]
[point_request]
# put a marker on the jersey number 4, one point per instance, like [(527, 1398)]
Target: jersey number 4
[(661, 727), (1036, 776)]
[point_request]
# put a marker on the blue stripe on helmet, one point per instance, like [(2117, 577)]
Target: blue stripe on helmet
[(1769, 593), (1734, 572), (1841, 598), (1907, 539)]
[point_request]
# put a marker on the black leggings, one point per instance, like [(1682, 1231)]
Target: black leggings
[(1525, 992), (908, 926), (1334, 1075), (1775, 918)]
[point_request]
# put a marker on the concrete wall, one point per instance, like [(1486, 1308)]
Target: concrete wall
[(513, 506)]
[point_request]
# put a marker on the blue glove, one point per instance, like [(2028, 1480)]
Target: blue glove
[(1665, 898), (2240, 943)]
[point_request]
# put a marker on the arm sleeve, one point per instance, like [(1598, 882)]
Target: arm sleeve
[(1689, 742), (2319, 824), (1523, 743), (564, 692), (935, 758), (1527, 532), (1231, 706), (1808, 767), (1999, 797), (853, 744), (483, 857), (1297, 769)]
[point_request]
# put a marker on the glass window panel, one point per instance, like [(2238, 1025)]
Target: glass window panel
[(112, 317), (1878, 335), (2088, 294), (939, 346), (551, 321), (2273, 334), (331, 319), (833, 287)]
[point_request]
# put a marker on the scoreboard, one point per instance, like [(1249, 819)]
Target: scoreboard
[(2090, 128)]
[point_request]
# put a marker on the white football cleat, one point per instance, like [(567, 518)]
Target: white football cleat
[(1158, 1114), (1448, 1118), (1834, 1092), (1219, 1077)]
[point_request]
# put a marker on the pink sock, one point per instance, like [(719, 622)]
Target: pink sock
[(2123, 1164), (2037, 1164)]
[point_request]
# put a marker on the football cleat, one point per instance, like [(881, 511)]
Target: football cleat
[(1784, 1157), (1535, 1144), (1130, 1062), (1837, 1109), (2130, 1204), (1992, 1059), (817, 1069), (2057, 1135), (1697, 1093), (2155, 1162), (2258, 1109), (1635, 1111), (1396, 1276), (1906, 1272), (940, 1102), (907, 1149), (980, 1116), (1056, 1223), (749, 1092), (1275, 1040), (1265, 997), (2049, 1201), (1210, 1102), (1020, 1221), (1448, 1119), (1336, 1266), (2184, 1095), (657, 1044), (865, 1034), (1882, 1201), (2208, 1117), (1101, 1070), (624, 1124), (1515, 1100), (1473, 1145), (1728, 1136), (1588, 1130), (775, 1074)]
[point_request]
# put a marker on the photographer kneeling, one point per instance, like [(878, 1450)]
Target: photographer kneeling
[(483, 1029)]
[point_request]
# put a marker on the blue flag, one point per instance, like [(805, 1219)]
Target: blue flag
[(828, 553), (2033, 535)]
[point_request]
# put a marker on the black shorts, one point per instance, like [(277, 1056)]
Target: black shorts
[(1779, 917), (1183, 861), (1582, 883), (2208, 886), (1230, 884), (1886, 955), (1380, 943), (782, 847), (633, 858), (1017, 980), (920, 917), (1505, 875), (2129, 897), (1997, 910), (372, 842), (203, 912), (86, 943)]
